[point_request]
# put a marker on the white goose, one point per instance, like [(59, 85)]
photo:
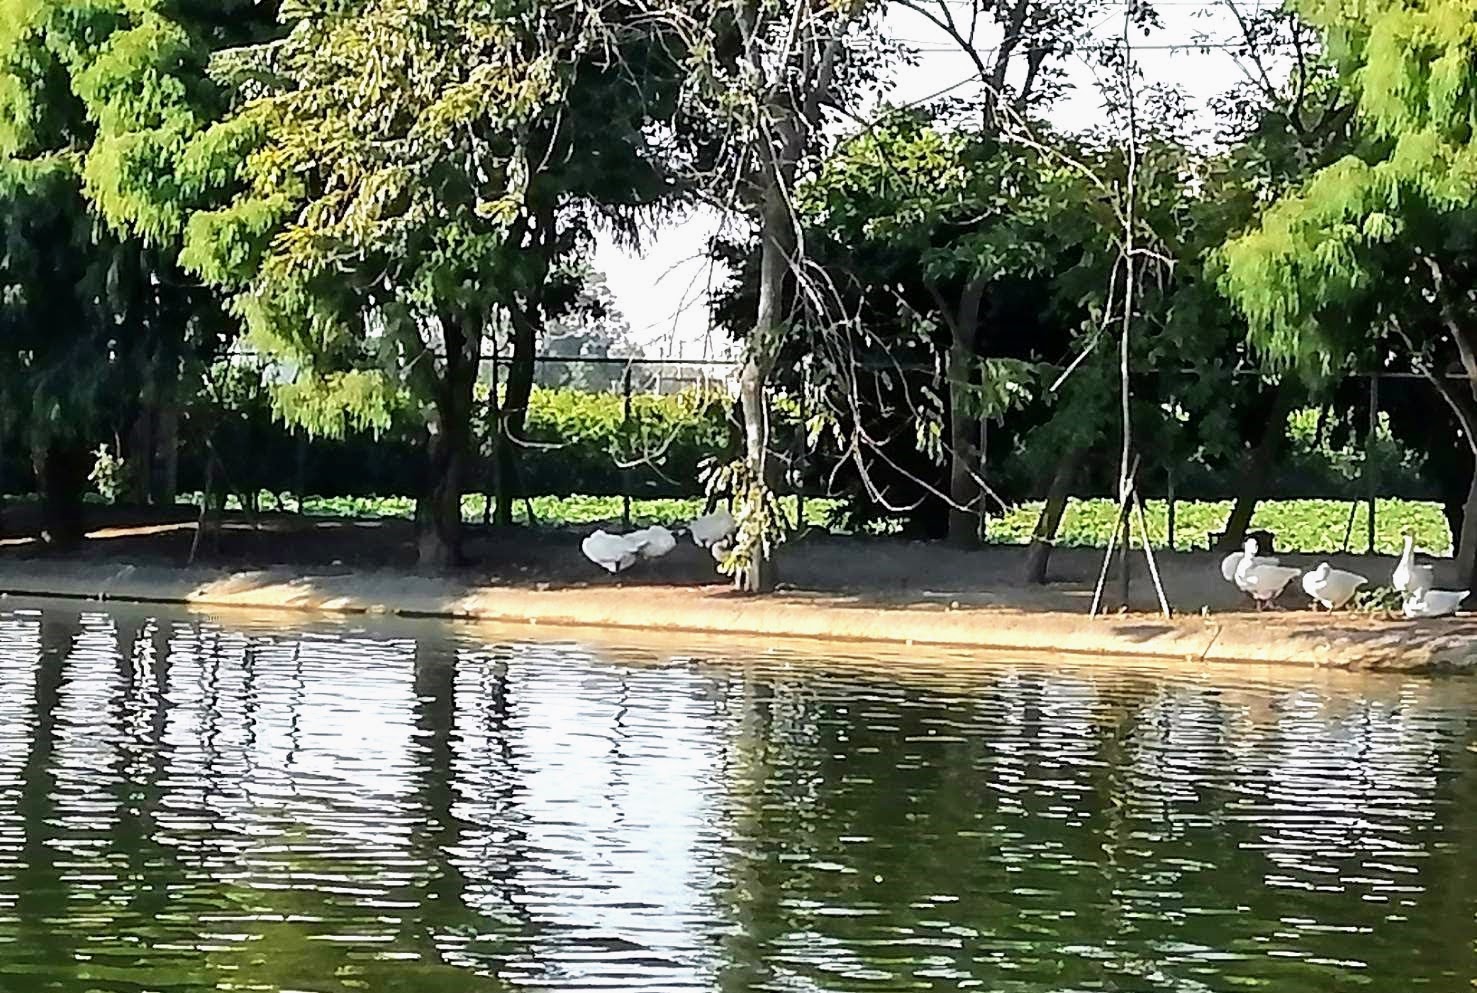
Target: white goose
[(1409, 578), (611, 552), (1433, 603), (652, 542), (1263, 582), (710, 529), (1332, 587), (1230, 562)]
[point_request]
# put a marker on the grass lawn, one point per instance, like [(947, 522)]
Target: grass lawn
[(1298, 525)]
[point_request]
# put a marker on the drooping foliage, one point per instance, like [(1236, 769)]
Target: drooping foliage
[(1369, 261), (406, 176), (98, 101)]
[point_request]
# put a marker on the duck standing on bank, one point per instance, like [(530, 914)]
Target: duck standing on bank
[(1433, 603), (1411, 579), (1261, 581), (1231, 562), (1332, 587)]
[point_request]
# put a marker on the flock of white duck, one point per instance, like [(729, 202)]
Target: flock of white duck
[(618, 552), (1263, 578)]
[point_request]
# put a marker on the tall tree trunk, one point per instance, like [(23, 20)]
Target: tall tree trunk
[(776, 234), (514, 414), (1038, 555), (966, 496), (1461, 517), (964, 522), (139, 459), (1253, 479), (1466, 539), (1464, 406), (439, 512), (526, 320), (62, 480), (166, 455)]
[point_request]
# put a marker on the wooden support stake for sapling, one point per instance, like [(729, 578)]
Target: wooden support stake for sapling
[(1102, 579), (1149, 553)]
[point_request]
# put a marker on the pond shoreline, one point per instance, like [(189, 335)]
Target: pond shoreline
[(1347, 641)]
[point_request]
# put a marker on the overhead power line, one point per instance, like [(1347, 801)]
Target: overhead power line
[(1174, 46)]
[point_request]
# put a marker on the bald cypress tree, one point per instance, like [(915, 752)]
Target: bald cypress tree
[(99, 100), (1374, 256)]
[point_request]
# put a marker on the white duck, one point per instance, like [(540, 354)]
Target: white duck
[(652, 542), (1263, 582), (1409, 578), (710, 529), (611, 552), (1332, 587), (1230, 562), (1433, 603)]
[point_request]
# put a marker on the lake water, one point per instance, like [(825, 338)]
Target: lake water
[(192, 804)]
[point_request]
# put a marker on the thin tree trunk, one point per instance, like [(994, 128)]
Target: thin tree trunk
[(139, 465), (1466, 539), (514, 415), (527, 321), (965, 495), (760, 575), (964, 523), (494, 433), (1254, 474), (449, 450), (166, 453), (62, 480), (1038, 555)]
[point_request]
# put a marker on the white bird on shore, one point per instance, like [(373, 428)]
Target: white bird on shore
[(1332, 587), (1232, 561), (611, 552), (652, 542), (1433, 603), (712, 528), (1263, 582), (1409, 578)]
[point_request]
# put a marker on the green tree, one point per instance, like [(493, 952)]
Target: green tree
[(404, 174), (758, 76), (1369, 260), (1018, 49), (901, 213), (98, 99)]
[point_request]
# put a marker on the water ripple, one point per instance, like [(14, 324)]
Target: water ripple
[(193, 806)]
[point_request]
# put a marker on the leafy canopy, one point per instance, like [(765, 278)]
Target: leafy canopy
[(1328, 246), (382, 168)]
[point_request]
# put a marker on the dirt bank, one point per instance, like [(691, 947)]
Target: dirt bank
[(875, 590)]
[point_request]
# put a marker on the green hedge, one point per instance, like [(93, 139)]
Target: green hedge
[(592, 449), (577, 442)]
